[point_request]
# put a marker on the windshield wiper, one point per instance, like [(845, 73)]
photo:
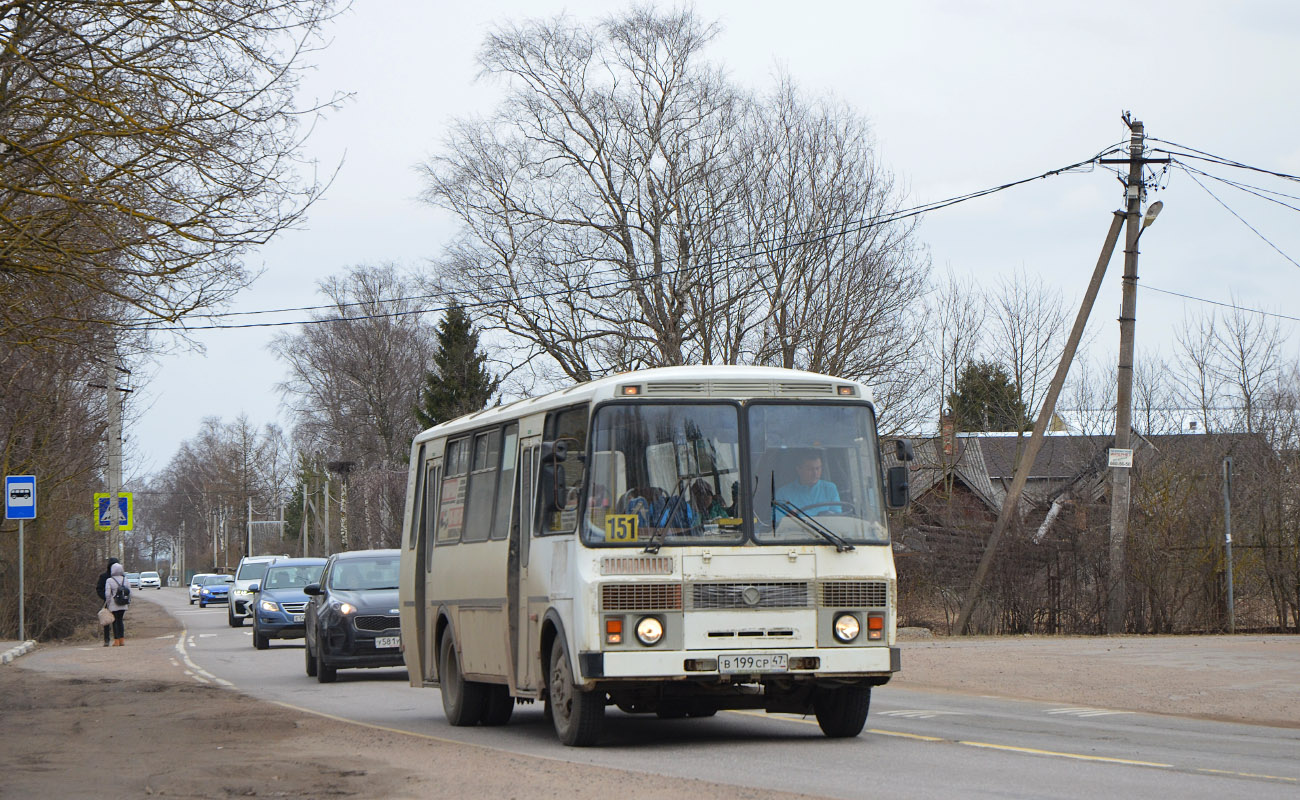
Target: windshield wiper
[(671, 507), (812, 524)]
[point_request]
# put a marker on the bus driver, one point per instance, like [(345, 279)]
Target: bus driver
[(808, 492)]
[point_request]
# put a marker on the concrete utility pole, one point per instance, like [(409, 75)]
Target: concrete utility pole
[(1011, 503), (342, 468), (116, 545), (1134, 191), (1227, 539)]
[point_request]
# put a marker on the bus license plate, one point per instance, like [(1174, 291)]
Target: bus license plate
[(752, 662), (384, 642)]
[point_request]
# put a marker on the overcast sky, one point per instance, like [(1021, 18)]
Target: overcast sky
[(961, 96)]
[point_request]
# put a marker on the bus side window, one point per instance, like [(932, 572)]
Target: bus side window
[(432, 482), (451, 501)]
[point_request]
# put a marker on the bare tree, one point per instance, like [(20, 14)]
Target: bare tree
[(1248, 347), (1198, 380), (955, 313), (627, 207), (1029, 322), (143, 147)]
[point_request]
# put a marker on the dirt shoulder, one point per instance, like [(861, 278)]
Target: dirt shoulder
[(83, 720), (1253, 679)]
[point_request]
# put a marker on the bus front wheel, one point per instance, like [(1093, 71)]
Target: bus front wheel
[(578, 716), (842, 712), (462, 701)]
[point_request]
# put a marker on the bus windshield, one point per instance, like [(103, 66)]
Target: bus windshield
[(675, 474), (815, 471), (664, 474)]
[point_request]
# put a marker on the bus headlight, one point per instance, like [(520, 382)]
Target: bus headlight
[(847, 627), (649, 630)]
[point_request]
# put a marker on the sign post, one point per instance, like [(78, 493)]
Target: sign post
[(20, 504)]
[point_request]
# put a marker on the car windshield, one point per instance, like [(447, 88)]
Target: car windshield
[(148, 574), (291, 577), (364, 573), (253, 571), (133, 575), (213, 580), (815, 474)]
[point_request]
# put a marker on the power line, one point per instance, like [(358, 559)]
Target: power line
[(1227, 162), (1218, 303), (1192, 175), (841, 230)]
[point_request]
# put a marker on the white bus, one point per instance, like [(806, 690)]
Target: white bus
[(672, 541)]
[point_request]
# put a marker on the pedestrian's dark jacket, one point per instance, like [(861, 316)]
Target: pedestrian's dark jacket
[(103, 576)]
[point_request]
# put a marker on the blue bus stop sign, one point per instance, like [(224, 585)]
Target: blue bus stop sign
[(20, 497)]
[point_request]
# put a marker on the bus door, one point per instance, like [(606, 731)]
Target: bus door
[(522, 629), (424, 566)]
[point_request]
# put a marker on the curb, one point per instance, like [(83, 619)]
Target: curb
[(9, 655)]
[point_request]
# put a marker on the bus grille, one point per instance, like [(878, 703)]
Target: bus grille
[(377, 622), (749, 595), (804, 388), (636, 565), (855, 594), (641, 596)]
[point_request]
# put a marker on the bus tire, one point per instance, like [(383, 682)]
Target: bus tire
[(462, 701), (498, 705), (578, 716), (842, 712)]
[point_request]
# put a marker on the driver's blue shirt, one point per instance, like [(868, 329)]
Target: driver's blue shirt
[(802, 497)]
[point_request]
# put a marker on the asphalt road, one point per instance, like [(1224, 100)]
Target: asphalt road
[(918, 744)]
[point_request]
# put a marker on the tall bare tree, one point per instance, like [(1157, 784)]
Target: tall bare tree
[(628, 207), (1029, 323), (143, 147)]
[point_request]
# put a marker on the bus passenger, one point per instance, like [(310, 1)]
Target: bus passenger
[(808, 492)]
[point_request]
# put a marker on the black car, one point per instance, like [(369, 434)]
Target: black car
[(352, 616)]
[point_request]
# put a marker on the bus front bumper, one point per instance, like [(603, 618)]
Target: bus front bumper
[(842, 662)]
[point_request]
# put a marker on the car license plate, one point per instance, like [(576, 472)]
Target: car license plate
[(299, 617), (385, 642), (752, 662)]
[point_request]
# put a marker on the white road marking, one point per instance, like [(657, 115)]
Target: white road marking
[(920, 714), (199, 674), (1077, 711)]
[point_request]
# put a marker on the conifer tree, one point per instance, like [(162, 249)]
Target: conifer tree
[(987, 400), (459, 382)]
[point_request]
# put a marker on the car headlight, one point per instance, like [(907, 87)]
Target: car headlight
[(649, 630), (270, 605), (347, 608), (847, 627)]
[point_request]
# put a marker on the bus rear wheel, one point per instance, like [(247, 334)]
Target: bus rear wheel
[(462, 701), (578, 716), (842, 712), (498, 705)]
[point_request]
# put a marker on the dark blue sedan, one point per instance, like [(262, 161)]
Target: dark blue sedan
[(215, 589), (280, 604)]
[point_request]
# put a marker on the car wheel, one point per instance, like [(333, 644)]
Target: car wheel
[(191, 601), (498, 705), (578, 716), (324, 672), (462, 701), (311, 659), (232, 620), (202, 604), (842, 712), (260, 642)]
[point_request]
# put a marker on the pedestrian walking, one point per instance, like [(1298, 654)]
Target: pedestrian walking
[(99, 590), (117, 594)]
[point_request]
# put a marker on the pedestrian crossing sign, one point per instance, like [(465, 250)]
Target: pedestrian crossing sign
[(125, 512)]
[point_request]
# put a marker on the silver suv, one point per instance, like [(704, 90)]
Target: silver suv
[(250, 571)]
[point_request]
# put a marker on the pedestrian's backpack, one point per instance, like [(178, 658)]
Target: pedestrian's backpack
[(123, 594)]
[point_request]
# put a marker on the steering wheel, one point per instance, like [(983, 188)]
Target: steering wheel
[(649, 494)]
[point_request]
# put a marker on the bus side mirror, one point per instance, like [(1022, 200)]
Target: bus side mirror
[(899, 493), (555, 452)]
